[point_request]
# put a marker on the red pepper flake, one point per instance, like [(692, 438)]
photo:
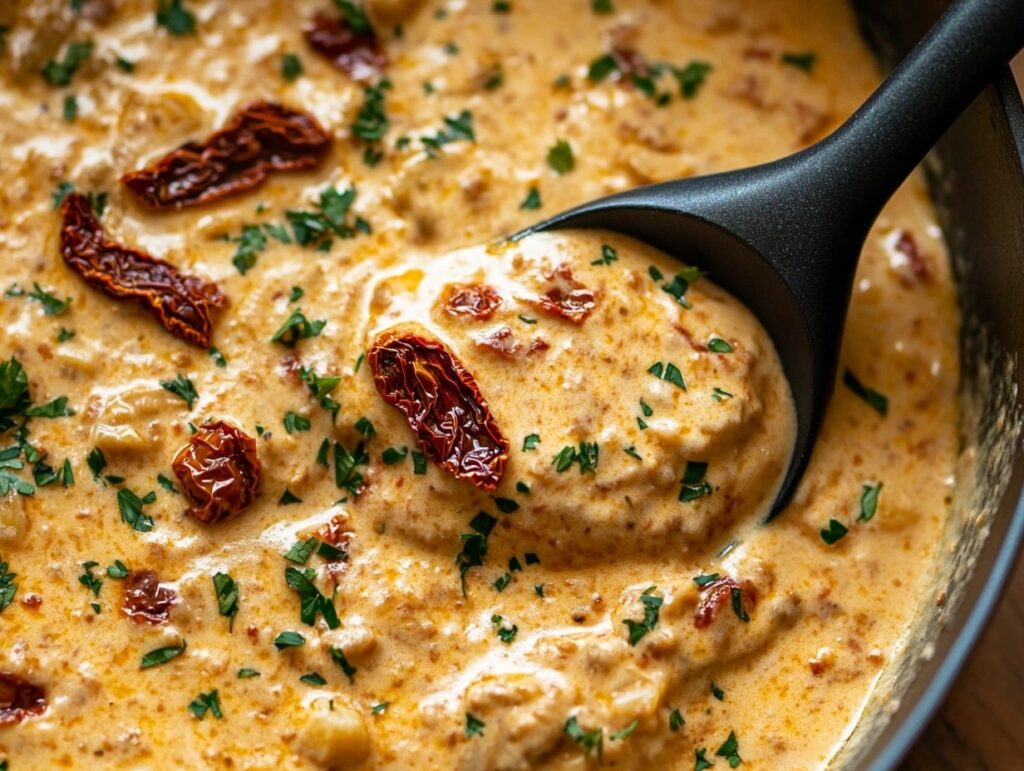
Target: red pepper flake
[(568, 298), (907, 246), (219, 470), (144, 600), (260, 138), (478, 301), (443, 405), (19, 699), (357, 53), (715, 594), (182, 303)]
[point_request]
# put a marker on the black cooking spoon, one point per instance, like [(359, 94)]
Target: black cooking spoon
[(785, 237)]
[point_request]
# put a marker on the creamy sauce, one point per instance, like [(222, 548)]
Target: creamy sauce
[(436, 684)]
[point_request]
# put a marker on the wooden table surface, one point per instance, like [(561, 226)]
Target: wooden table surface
[(981, 725)]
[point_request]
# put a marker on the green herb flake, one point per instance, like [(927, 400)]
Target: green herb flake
[(288, 498), (506, 505), (371, 123), (118, 571), (130, 505), (474, 725), (419, 463), (869, 501), (632, 453), (601, 68), (60, 73), (691, 78), (802, 61), (505, 630), (675, 721), (338, 657), (380, 709), (96, 462), (65, 334), (560, 157), (718, 345), (737, 604), (523, 488), (227, 597), (245, 673), (88, 580), (502, 582), (668, 372), (311, 602), (289, 639), (602, 6), (206, 702), (730, 750), (297, 327), (218, 357), (587, 740), (393, 455), (175, 18), (70, 108), (365, 427), (652, 608), (291, 68), (717, 692), (834, 532), (183, 388), (608, 255), (624, 733), (694, 485), (294, 422), (706, 579), (161, 656), (720, 394), (877, 401), (530, 442), (532, 200), (313, 678), (7, 586), (702, 763)]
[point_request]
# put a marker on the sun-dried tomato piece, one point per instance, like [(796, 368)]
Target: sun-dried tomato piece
[(443, 405), (715, 594), (19, 699), (906, 245), (219, 470), (357, 53), (567, 297), (145, 600), (182, 303), (478, 301), (261, 137), (630, 61), (338, 534)]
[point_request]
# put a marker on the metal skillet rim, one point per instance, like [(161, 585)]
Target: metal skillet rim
[(969, 623)]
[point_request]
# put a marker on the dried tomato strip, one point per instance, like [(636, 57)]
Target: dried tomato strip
[(182, 303), (145, 600), (19, 699), (219, 470), (715, 594), (477, 301), (567, 297), (260, 138), (357, 53), (443, 405)]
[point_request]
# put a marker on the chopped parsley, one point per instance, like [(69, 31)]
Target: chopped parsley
[(117, 571), (218, 357), (88, 580), (632, 453), (345, 474), (294, 422), (419, 463), (835, 531), (371, 123), (588, 740), (586, 455), (730, 750), (393, 455), (297, 327), (531, 558), (97, 461), (227, 597), (717, 692), (251, 242), (523, 488), (321, 387), (506, 630), (296, 294), (539, 590), (679, 284), (130, 506), (380, 709), (311, 602), (601, 68), (618, 736), (316, 228), (456, 128), (501, 6), (601, 6), (206, 702), (161, 656), (365, 427), (718, 345), (514, 565), (474, 725), (720, 394), (675, 721), (181, 387), (70, 109), (62, 191), (608, 255), (355, 17), (705, 579), (338, 657), (124, 65), (65, 334), (802, 61), (530, 442), (668, 372), (506, 505), (7, 586), (175, 18), (474, 545), (289, 639), (878, 402), (291, 68), (694, 485), (52, 306), (560, 158), (313, 678), (691, 77), (702, 763), (245, 672), (737, 605), (532, 200), (60, 73), (652, 608), (869, 501), (502, 582)]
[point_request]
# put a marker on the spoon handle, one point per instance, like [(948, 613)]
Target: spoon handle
[(878, 147)]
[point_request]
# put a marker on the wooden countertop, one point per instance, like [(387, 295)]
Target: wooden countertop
[(981, 725)]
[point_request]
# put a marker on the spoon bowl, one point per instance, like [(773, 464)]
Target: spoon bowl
[(785, 237)]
